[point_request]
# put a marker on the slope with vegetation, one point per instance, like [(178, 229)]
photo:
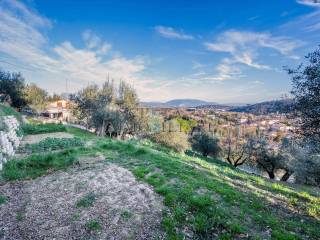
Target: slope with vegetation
[(203, 198)]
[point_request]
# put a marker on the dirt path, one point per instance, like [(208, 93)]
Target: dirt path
[(96, 200)]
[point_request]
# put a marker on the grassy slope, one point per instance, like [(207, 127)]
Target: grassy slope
[(208, 200), (7, 111)]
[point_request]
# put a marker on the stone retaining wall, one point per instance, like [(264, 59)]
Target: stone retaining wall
[(9, 140)]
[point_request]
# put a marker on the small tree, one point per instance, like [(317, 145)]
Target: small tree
[(36, 98), (236, 149), (206, 144)]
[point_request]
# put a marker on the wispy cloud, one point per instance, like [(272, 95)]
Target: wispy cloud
[(311, 3), (94, 42), (307, 23), (169, 32), (244, 46)]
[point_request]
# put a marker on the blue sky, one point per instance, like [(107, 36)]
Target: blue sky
[(223, 51)]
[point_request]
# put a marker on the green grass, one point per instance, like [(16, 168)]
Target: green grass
[(86, 201), (42, 128), (92, 225), (81, 133), (37, 165), (50, 144), (9, 111), (126, 215), (3, 199), (19, 216), (210, 197)]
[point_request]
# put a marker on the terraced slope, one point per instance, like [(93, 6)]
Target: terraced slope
[(115, 188)]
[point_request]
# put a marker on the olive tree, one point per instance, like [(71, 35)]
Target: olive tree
[(306, 92), (205, 143)]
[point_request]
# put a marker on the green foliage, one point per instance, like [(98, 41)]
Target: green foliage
[(50, 144), (92, 225), (86, 201), (186, 125), (206, 144), (110, 110), (175, 140), (12, 85), (37, 165), (126, 215), (3, 199), (305, 90), (35, 97), (43, 128)]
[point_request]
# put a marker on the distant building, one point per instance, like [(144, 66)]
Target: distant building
[(59, 110)]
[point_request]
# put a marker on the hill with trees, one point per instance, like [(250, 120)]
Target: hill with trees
[(276, 106)]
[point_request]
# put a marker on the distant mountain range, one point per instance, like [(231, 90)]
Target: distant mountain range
[(281, 106), (178, 103)]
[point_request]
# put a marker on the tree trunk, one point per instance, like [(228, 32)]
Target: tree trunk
[(286, 176), (271, 175), (102, 131)]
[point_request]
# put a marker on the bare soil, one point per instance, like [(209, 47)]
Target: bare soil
[(46, 208)]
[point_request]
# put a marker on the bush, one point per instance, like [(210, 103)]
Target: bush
[(205, 144), (37, 165), (50, 144), (176, 140), (43, 128)]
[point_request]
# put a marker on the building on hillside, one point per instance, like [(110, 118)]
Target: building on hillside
[(59, 110)]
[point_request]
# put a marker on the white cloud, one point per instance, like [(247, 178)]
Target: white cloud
[(243, 46), (311, 3), (22, 42), (169, 32), (94, 42)]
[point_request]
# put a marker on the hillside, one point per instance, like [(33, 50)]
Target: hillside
[(280, 106), (177, 103), (140, 190)]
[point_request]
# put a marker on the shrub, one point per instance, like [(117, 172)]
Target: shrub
[(37, 165), (205, 144), (49, 144), (43, 128), (176, 140)]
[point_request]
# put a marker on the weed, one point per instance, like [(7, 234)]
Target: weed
[(126, 215), (92, 225), (3, 199), (87, 201), (19, 216), (50, 144)]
